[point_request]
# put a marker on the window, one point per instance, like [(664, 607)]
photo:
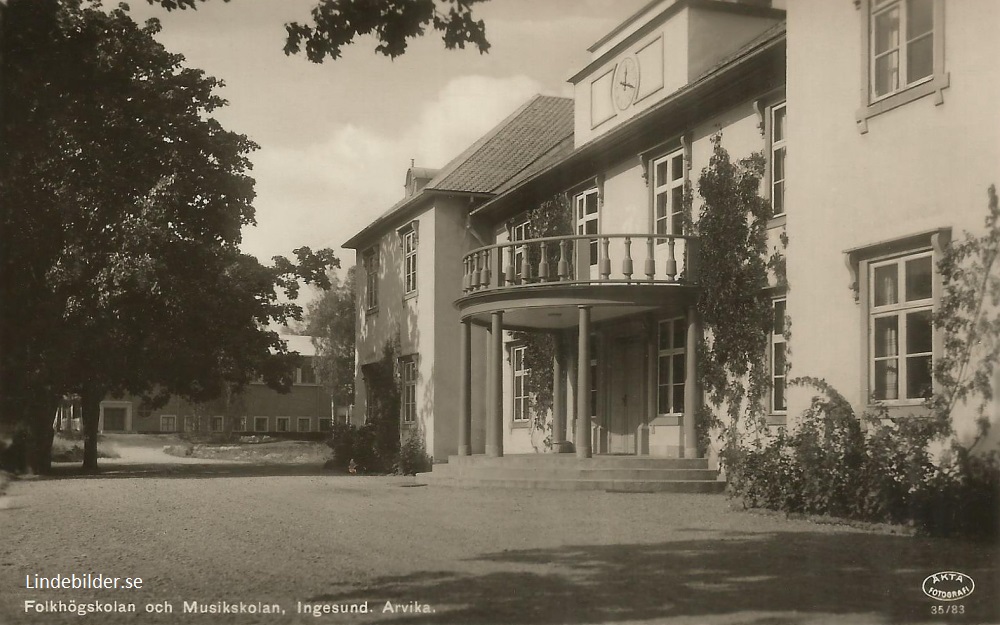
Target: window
[(282, 424), (190, 424), (239, 424), (370, 261), (901, 46), (368, 371), (216, 424), (901, 332), (777, 356), (409, 399), (168, 423), (519, 233), (671, 363), (778, 119), (520, 377), (587, 216), (668, 193), (305, 374), (409, 261), (260, 424), (304, 424)]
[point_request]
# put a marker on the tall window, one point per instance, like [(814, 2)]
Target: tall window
[(282, 424), (409, 262), (409, 399), (901, 44), (239, 424), (670, 380), (216, 424), (778, 153), (587, 216), (519, 233), (304, 424), (668, 193), (260, 424), (370, 260), (901, 329), (520, 376), (168, 423), (307, 375), (777, 356)]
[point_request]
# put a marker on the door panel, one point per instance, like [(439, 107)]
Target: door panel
[(627, 396)]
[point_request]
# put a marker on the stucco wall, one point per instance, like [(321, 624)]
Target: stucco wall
[(919, 167)]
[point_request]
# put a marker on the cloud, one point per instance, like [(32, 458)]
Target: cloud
[(322, 194)]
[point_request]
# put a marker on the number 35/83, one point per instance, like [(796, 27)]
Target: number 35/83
[(948, 609)]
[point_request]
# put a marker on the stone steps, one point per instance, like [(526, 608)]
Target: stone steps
[(567, 472)]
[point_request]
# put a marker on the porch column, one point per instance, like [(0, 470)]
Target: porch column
[(583, 386), (558, 396), (692, 390), (494, 429), (464, 389)]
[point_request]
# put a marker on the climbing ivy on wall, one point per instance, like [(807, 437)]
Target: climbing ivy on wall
[(552, 217), (735, 308)]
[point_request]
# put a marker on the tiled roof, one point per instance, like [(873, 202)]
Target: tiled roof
[(510, 147), (515, 145)]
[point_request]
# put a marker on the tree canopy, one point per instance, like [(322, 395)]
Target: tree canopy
[(330, 321), (335, 24), (122, 207)]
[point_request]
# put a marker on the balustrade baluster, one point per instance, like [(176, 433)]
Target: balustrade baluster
[(508, 272), (562, 268), (543, 263), (485, 278), (650, 268), (627, 261), (465, 274), (525, 265), (604, 261), (671, 260)]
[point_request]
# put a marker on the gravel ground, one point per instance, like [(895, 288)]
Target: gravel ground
[(236, 533)]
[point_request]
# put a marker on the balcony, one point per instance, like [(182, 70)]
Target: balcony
[(538, 282)]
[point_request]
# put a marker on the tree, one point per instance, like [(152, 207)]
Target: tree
[(123, 201), (330, 321), (393, 22)]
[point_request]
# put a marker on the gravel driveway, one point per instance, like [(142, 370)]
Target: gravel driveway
[(223, 533)]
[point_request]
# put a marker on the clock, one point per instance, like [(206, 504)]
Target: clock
[(625, 83)]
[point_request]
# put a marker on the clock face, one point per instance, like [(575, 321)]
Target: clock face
[(625, 83)]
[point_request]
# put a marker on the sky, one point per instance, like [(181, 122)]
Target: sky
[(337, 138)]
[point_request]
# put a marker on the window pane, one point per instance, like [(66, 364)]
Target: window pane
[(886, 380), (591, 226), (779, 317), (677, 168), (779, 359), (886, 73), (778, 125), (887, 30), (591, 203), (678, 369), (677, 223), (886, 285), (919, 18), (918, 332), (778, 166), (778, 198), (663, 401), (664, 369), (661, 172), (918, 377), (886, 336), (665, 335), (661, 205), (678, 398), (920, 59), (680, 331), (918, 279), (779, 394)]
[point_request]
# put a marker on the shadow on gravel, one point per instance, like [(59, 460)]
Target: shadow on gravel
[(733, 577), (109, 470)]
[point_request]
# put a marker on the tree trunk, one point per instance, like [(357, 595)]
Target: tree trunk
[(91, 404), (39, 433)]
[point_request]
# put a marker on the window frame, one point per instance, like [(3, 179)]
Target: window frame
[(938, 80), (408, 393), (670, 353), (774, 145), (287, 424), (370, 260), (522, 400), (775, 339), (240, 424), (408, 241), (298, 424), (581, 218), (901, 309), (666, 189), (518, 231), (256, 422), (212, 423), (173, 428)]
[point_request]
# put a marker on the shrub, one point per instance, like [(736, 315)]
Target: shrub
[(413, 456), (881, 473), (349, 442)]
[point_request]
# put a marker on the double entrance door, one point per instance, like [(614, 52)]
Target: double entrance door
[(626, 403)]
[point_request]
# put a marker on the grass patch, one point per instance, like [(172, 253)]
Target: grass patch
[(67, 449), (275, 452)]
